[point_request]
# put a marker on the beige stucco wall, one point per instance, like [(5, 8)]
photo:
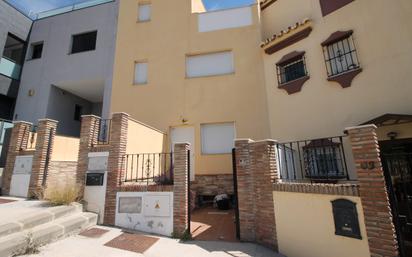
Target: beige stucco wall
[(65, 148), (144, 139), (169, 96), (305, 227), (383, 38), (198, 6)]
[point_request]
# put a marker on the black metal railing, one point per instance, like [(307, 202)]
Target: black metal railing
[(102, 130), (148, 168), (318, 160)]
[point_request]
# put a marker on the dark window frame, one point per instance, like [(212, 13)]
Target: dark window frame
[(76, 47), (32, 50), (340, 54), (77, 112), (23, 50), (291, 69)]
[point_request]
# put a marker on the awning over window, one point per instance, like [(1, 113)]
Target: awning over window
[(390, 119)]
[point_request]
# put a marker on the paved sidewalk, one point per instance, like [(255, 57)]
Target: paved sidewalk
[(80, 246)]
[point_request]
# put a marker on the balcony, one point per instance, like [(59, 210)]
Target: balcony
[(9, 68)]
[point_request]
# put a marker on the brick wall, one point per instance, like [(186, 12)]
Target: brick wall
[(372, 190), (212, 184), (118, 142), (18, 143), (180, 196), (46, 132), (61, 173), (256, 171)]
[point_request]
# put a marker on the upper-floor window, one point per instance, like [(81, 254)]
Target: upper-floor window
[(84, 42), (144, 12), (340, 53), (291, 69), (329, 6), (36, 50), (140, 73), (14, 49), (210, 64)]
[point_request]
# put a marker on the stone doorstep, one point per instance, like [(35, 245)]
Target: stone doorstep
[(48, 232), (38, 218)]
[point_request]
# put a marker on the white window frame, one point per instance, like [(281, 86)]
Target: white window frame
[(135, 73), (209, 64), (204, 139), (142, 17)]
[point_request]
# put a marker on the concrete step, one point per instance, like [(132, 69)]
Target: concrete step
[(37, 218), (17, 243)]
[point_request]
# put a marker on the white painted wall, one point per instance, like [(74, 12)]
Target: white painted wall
[(210, 64), (20, 180), (95, 196), (225, 19), (152, 213)]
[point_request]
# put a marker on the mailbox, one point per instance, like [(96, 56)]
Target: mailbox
[(346, 220), (94, 179)]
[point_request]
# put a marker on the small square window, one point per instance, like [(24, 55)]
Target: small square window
[(140, 73), (291, 69), (144, 12), (78, 110), (218, 138), (36, 50), (84, 42), (340, 54)]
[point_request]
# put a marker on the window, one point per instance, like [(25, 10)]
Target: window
[(218, 138), (36, 50), (14, 49), (340, 53), (140, 73), (84, 42), (210, 64), (78, 109), (291, 69), (323, 160), (144, 12)]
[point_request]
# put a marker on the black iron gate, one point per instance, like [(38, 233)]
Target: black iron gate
[(235, 195), (398, 174)]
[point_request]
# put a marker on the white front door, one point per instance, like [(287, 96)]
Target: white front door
[(183, 135)]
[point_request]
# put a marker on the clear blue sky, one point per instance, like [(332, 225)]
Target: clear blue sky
[(36, 6)]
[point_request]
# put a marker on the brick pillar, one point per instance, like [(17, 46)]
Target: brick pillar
[(180, 190), (88, 137), (372, 188), (245, 190), (118, 143), (264, 170), (46, 131), (18, 141)]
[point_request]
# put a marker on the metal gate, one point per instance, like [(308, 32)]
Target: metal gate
[(398, 174), (235, 195)]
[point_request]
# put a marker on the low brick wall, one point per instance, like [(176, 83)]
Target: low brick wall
[(326, 189), (212, 184), (61, 173)]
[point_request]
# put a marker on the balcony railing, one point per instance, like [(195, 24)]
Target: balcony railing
[(68, 8), (319, 160), (10, 68)]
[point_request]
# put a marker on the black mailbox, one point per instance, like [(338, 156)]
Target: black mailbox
[(94, 179), (346, 220)]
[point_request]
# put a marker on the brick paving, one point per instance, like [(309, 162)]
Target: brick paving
[(132, 242), (211, 224)]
